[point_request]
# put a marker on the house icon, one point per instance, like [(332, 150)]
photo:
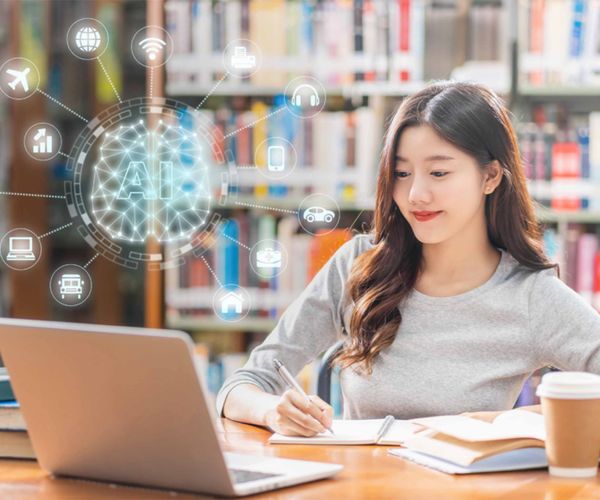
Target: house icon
[(232, 302)]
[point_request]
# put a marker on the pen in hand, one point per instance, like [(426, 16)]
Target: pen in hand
[(287, 377)]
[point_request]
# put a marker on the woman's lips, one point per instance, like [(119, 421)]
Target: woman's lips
[(425, 216)]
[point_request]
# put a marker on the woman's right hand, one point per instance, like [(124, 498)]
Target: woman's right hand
[(292, 416)]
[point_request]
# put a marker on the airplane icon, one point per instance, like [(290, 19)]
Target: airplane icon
[(20, 78)]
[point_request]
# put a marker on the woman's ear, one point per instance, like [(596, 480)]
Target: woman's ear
[(493, 176)]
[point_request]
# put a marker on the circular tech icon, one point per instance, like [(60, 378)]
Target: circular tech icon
[(268, 258), (87, 38), (70, 285), (152, 46), (231, 303), (305, 96), (20, 249), (142, 170), (42, 141), (19, 78), (318, 214)]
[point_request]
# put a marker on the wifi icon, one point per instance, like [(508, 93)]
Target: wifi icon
[(152, 46)]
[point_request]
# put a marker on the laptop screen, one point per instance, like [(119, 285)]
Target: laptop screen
[(17, 244)]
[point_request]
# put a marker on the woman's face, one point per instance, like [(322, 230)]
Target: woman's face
[(433, 175)]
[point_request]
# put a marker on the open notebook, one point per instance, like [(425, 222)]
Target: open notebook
[(374, 431), (462, 445)]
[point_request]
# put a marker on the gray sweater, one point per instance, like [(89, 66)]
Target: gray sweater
[(468, 352)]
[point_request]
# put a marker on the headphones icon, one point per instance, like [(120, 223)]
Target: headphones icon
[(297, 96)]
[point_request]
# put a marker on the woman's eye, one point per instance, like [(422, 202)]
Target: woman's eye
[(400, 175), (441, 174)]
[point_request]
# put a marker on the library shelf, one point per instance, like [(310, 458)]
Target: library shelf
[(399, 89), (288, 203), (214, 324), (559, 91), (548, 215)]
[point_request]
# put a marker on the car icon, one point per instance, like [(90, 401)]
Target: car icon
[(318, 214)]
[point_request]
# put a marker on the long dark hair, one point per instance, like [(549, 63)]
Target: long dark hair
[(475, 120)]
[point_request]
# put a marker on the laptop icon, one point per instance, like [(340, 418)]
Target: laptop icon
[(19, 248), (128, 405)]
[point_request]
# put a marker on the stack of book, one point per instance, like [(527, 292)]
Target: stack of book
[(14, 440), (340, 42), (190, 287), (335, 152), (337, 41), (578, 254), (561, 158)]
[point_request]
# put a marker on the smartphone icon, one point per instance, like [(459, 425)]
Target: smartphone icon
[(275, 158)]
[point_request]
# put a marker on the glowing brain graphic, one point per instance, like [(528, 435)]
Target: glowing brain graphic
[(150, 183)]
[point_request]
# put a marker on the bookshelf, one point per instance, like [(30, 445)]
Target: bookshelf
[(78, 85), (5, 137), (474, 40), (27, 301)]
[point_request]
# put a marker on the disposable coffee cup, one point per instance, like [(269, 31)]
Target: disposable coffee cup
[(571, 408)]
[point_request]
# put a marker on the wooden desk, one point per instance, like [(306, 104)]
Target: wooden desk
[(369, 472)]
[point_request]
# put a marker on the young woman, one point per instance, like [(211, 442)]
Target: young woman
[(449, 305)]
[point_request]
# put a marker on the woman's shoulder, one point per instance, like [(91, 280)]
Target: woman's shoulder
[(538, 281), (358, 244)]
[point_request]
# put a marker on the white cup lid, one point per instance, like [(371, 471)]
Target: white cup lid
[(569, 385)]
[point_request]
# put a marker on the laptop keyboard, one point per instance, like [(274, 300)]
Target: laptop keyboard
[(243, 476)]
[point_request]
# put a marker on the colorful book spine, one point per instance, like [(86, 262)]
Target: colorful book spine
[(229, 253), (566, 167), (536, 38), (594, 155), (583, 137), (260, 133), (587, 248)]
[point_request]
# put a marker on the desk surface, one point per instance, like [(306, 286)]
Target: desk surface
[(369, 472)]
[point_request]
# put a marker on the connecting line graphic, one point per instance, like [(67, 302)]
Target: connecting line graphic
[(212, 90), (56, 230), (248, 167), (278, 110), (62, 105), (90, 261), (236, 241), (109, 79), (64, 154), (211, 271), (295, 212), (33, 195), (354, 221), (151, 90)]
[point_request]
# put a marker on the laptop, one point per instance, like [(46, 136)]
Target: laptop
[(20, 248), (128, 405)]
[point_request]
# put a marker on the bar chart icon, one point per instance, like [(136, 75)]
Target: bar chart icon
[(43, 142)]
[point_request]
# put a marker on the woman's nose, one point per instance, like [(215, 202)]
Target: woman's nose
[(420, 192)]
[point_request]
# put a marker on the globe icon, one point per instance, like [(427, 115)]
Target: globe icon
[(87, 39)]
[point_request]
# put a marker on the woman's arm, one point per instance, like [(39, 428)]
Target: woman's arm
[(249, 404), (564, 328), (288, 414), (310, 325)]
